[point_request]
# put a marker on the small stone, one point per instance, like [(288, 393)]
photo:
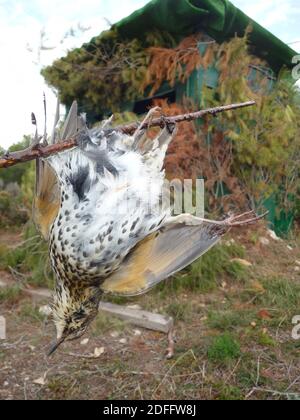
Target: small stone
[(137, 332), (290, 248), (273, 235), (45, 310), (114, 334), (123, 341), (84, 342), (40, 381), (297, 269), (264, 241), (98, 351), (5, 383), (297, 262), (230, 242), (253, 324)]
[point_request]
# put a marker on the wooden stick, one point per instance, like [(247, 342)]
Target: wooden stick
[(39, 151), (138, 317), (163, 120)]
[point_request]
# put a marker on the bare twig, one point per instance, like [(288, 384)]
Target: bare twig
[(39, 151), (233, 371), (162, 121)]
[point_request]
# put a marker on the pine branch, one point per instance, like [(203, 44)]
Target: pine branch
[(39, 151)]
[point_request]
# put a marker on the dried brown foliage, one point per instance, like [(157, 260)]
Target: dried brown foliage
[(190, 157), (175, 64)]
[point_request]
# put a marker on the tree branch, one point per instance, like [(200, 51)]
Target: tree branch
[(39, 151)]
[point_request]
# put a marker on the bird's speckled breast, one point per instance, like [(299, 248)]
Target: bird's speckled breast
[(82, 250), (87, 250)]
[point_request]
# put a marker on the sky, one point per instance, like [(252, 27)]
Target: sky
[(25, 25)]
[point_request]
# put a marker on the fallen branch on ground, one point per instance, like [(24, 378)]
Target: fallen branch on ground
[(40, 151)]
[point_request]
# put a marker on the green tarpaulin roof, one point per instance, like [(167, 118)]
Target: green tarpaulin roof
[(218, 18)]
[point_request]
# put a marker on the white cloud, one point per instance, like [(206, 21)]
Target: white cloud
[(21, 22), (281, 17)]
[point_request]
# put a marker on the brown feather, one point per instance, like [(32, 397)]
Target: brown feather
[(47, 200), (161, 255)]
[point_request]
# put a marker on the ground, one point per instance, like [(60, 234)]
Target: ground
[(233, 327)]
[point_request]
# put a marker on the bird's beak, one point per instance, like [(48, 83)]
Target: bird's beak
[(55, 346)]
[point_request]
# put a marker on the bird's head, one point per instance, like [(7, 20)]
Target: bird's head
[(73, 314)]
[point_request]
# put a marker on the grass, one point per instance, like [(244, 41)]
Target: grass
[(63, 388), (204, 275), (30, 258), (264, 339), (11, 295), (225, 320), (237, 271), (229, 392), (179, 311), (281, 293), (31, 312), (104, 323), (224, 349)]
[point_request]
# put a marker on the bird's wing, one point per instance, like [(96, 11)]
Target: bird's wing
[(47, 195), (177, 244), (162, 254)]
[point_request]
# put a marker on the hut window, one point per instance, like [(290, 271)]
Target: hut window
[(143, 106), (261, 79)]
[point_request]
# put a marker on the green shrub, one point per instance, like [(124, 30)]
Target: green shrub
[(224, 348)]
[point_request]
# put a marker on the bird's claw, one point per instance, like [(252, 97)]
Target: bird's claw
[(165, 123), (242, 220)]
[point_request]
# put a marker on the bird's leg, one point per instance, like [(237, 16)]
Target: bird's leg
[(185, 219), (171, 344), (232, 221), (236, 221), (140, 131)]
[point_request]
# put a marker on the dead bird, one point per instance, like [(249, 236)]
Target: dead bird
[(92, 206)]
